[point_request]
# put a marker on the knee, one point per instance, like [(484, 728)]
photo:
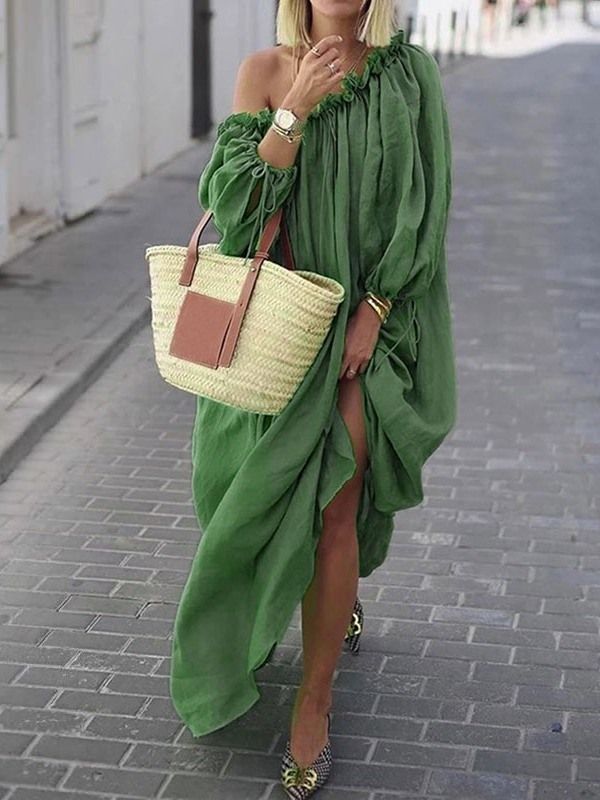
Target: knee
[(339, 524)]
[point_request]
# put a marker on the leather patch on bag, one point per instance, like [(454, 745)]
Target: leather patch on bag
[(200, 329)]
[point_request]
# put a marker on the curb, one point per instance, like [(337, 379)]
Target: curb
[(47, 401)]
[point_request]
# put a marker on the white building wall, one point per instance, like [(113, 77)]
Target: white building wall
[(101, 95), (3, 134), (166, 57), (146, 78), (121, 55), (238, 27), (34, 152)]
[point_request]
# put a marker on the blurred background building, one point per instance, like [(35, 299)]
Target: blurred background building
[(97, 93)]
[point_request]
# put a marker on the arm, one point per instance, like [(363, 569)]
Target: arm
[(235, 175), (252, 169), (411, 257)]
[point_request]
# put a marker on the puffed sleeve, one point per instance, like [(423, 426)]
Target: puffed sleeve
[(240, 187), (413, 252)]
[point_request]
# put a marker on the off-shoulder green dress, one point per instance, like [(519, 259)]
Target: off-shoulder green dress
[(366, 202)]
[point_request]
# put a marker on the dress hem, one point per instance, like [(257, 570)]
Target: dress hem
[(195, 720)]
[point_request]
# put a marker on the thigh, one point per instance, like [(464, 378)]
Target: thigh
[(350, 404), (344, 505)]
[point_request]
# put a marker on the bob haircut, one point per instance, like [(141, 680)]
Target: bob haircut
[(375, 25)]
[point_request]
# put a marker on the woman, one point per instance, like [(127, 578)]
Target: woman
[(295, 507)]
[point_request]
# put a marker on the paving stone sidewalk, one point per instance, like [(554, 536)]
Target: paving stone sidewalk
[(478, 676), (70, 303)]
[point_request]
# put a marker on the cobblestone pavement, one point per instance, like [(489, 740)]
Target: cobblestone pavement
[(72, 301), (478, 677)]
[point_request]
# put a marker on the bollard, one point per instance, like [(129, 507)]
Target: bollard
[(437, 51), (465, 34), (452, 50), (585, 11)]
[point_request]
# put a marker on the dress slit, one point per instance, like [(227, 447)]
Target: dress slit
[(366, 474)]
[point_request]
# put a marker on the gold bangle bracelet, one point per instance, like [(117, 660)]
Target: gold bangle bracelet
[(381, 314), (378, 310), (384, 304), (373, 301), (385, 310), (383, 301)]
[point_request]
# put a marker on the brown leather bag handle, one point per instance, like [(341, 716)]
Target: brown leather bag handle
[(265, 243), (262, 253)]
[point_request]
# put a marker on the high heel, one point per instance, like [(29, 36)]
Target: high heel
[(301, 782), (355, 627)]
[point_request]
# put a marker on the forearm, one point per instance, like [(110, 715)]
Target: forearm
[(273, 147)]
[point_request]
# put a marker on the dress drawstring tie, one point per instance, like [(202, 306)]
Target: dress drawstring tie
[(413, 324), (264, 208)]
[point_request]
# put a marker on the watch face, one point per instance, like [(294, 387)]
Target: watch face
[(285, 118)]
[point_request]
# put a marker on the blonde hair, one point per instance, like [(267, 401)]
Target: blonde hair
[(375, 25)]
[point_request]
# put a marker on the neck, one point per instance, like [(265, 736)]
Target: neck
[(344, 26)]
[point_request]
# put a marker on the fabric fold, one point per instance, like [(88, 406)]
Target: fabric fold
[(411, 255)]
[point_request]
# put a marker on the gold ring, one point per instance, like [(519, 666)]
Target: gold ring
[(315, 51)]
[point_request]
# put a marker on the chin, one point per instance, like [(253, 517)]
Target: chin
[(338, 8)]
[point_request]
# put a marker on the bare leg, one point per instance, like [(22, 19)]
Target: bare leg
[(328, 602)]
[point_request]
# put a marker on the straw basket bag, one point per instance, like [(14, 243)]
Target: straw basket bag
[(244, 334)]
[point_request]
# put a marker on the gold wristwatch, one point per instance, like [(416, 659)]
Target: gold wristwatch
[(288, 124)]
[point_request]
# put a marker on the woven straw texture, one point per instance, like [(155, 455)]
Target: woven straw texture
[(286, 322)]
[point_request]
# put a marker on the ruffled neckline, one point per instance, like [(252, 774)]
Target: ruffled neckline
[(353, 82), (350, 85)]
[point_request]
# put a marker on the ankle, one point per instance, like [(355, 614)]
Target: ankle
[(314, 698)]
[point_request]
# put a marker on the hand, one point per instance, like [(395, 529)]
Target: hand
[(314, 79), (361, 337)]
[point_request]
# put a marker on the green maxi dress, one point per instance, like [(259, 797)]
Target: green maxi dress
[(366, 202)]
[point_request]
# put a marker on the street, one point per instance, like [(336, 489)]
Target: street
[(478, 673)]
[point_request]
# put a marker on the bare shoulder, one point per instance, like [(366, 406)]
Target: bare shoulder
[(259, 78)]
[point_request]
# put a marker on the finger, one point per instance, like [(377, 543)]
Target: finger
[(334, 62), (345, 366), (335, 66), (322, 64), (352, 371), (363, 367), (333, 75), (327, 43)]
